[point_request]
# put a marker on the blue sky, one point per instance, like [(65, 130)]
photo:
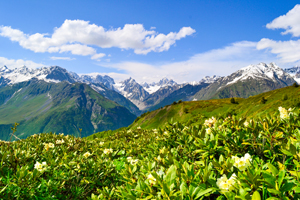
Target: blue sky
[(149, 40)]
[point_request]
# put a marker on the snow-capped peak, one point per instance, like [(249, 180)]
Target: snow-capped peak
[(261, 70), (153, 87)]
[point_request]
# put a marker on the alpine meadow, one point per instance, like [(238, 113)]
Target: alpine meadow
[(140, 100)]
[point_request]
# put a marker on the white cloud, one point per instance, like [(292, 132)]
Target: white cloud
[(61, 58), (290, 22), (76, 36), (287, 51), (223, 61), (97, 56), (11, 63)]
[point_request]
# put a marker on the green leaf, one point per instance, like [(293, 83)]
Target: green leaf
[(286, 152), (273, 169), (273, 191), (256, 196), (281, 177), (203, 192), (287, 187), (170, 175), (183, 189)]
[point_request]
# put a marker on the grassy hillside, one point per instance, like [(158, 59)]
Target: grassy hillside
[(191, 112), (217, 159), (63, 108)]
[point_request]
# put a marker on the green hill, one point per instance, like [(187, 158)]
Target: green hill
[(192, 112), (58, 107)]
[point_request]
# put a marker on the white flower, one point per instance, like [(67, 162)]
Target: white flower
[(49, 145), (283, 113), (86, 155), (133, 162), (243, 162), (60, 141), (208, 131), (226, 184), (246, 124), (129, 131), (40, 166), (210, 122), (139, 128), (160, 173), (107, 151), (151, 179), (101, 143)]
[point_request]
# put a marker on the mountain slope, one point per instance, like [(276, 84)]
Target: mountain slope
[(58, 107), (133, 91), (56, 74), (184, 93), (194, 111), (250, 80)]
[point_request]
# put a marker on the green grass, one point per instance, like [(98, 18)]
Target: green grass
[(248, 108)]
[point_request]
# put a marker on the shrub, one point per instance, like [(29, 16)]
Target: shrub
[(284, 97), (263, 100), (295, 84), (180, 101), (185, 110), (232, 100)]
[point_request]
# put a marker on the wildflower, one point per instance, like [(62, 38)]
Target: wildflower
[(246, 124), (129, 131), (129, 159), (107, 151), (283, 113), (86, 155), (138, 128), (166, 133), (101, 143), (34, 135), (49, 145), (151, 179), (40, 166), (226, 184), (67, 136), (160, 173), (210, 122), (243, 162), (60, 141), (185, 128), (208, 131), (133, 162)]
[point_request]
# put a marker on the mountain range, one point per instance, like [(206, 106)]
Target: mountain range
[(54, 99)]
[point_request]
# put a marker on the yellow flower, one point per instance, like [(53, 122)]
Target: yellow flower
[(208, 131), (226, 184), (40, 166), (243, 162), (86, 155), (151, 179), (210, 122), (283, 113), (60, 141), (107, 151)]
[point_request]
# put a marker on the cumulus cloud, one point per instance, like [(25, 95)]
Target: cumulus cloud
[(290, 22), (77, 37), (11, 63), (287, 51), (223, 61), (61, 58)]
